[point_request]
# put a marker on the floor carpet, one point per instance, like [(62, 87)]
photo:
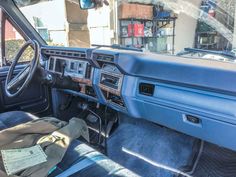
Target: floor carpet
[(149, 149)]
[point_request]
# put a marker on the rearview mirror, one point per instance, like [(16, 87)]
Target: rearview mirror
[(87, 4)]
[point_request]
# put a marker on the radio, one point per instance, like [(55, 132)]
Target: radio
[(110, 81), (110, 84)]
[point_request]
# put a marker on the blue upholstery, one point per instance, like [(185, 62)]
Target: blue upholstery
[(76, 153), (13, 118)]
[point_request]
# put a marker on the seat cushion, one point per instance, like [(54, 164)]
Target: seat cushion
[(88, 161), (96, 164), (13, 118)]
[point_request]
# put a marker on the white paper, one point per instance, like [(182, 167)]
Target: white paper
[(16, 160)]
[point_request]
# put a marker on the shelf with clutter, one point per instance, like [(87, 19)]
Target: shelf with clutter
[(149, 27)]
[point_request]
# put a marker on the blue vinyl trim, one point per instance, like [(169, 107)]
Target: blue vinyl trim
[(96, 80)]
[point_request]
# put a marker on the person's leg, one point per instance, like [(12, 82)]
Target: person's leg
[(13, 118)]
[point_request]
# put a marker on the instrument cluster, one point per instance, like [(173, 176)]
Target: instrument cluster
[(78, 68)]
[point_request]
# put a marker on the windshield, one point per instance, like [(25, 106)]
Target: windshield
[(158, 26)]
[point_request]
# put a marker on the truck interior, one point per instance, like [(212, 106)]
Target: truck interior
[(148, 114)]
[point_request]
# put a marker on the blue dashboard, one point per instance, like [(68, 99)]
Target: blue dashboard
[(193, 96)]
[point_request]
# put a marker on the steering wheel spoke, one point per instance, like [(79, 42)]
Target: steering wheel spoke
[(19, 78)]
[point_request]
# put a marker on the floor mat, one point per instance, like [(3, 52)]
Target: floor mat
[(215, 161), (148, 149)]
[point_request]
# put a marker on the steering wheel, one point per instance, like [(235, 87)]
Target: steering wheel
[(15, 86)]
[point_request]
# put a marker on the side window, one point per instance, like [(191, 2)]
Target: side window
[(13, 41)]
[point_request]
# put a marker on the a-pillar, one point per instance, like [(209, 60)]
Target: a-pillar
[(234, 38)]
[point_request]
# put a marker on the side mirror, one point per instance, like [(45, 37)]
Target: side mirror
[(87, 4)]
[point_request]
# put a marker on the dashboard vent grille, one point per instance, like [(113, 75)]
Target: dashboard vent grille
[(146, 89), (76, 54), (106, 58)]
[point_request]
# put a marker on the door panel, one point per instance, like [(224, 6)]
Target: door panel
[(34, 99)]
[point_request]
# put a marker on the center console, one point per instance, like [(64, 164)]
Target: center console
[(111, 83)]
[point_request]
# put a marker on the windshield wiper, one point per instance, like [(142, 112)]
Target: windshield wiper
[(117, 46), (194, 50)]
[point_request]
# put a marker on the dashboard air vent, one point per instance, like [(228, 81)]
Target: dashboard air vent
[(99, 57), (146, 89), (106, 58), (77, 54)]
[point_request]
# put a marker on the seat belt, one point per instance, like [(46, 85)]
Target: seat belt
[(81, 165)]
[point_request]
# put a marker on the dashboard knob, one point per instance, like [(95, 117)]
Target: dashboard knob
[(49, 77)]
